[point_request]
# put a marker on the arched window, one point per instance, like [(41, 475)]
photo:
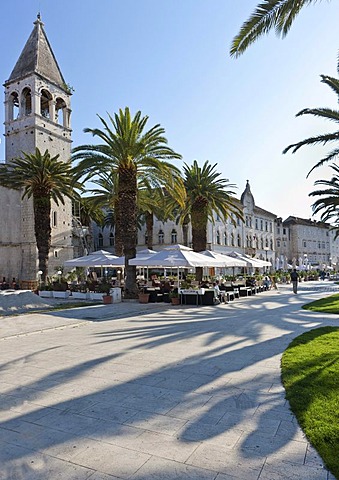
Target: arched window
[(232, 239), (225, 239), (60, 112), (266, 242), (271, 244), (45, 99), (239, 240), (100, 240), (262, 243), (218, 238), (13, 106), (173, 236), (26, 101), (161, 236), (111, 239)]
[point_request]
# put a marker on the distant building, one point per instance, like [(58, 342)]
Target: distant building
[(306, 243)]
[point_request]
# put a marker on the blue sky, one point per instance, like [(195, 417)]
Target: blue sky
[(169, 59)]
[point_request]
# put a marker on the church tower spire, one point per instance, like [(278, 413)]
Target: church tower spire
[(37, 57), (37, 115)]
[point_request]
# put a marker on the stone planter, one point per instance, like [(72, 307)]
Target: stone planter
[(46, 293), (95, 296), (61, 294), (80, 295)]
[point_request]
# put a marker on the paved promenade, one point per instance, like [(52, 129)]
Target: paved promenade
[(155, 392)]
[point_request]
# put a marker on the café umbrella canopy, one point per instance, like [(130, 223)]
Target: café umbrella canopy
[(100, 258), (176, 256), (225, 260), (250, 262)]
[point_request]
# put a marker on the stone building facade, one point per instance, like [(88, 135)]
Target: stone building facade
[(254, 236), (37, 115), (306, 243)]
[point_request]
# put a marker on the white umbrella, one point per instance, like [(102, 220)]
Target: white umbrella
[(100, 258), (250, 262), (225, 260), (184, 258)]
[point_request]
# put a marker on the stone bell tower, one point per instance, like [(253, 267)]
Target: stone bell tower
[(37, 115)]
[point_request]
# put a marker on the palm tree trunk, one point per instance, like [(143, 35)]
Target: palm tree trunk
[(199, 233), (42, 229), (127, 194), (118, 245), (149, 229)]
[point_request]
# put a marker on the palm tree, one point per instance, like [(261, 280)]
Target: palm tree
[(42, 178), (132, 153), (328, 204), (206, 194), (327, 113), (268, 15)]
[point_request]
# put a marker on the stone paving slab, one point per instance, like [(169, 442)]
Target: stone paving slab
[(138, 392)]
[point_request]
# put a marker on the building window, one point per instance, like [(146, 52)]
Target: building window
[(13, 106), (278, 230), (111, 239), (232, 239), (60, 112), (278, 243), (26, 101), (266, 243), (271, 227), (256, 224), (284, 231), (266, 226), (146, 238), (56, 254), (239, 240), (271, 244), (238, 222), (304, 244), (45, 100), (218, 238), (54, 219), (100, 240), (261, 225), (174, 236), (161, 237), (225, 239)]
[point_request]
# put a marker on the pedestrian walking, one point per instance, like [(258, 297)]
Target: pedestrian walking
[(295, 279)]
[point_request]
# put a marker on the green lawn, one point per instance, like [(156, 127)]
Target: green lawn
[(326, 305), (310, 374)]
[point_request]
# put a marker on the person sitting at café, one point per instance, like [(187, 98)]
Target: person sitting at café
[(222, 289)]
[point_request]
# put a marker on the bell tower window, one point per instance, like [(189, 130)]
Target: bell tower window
[(26, 101), (45, 100), (13, 106), (60, 112)]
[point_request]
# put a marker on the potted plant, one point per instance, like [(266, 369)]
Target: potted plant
[(143, 297), (104, 288), (174, 296)]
